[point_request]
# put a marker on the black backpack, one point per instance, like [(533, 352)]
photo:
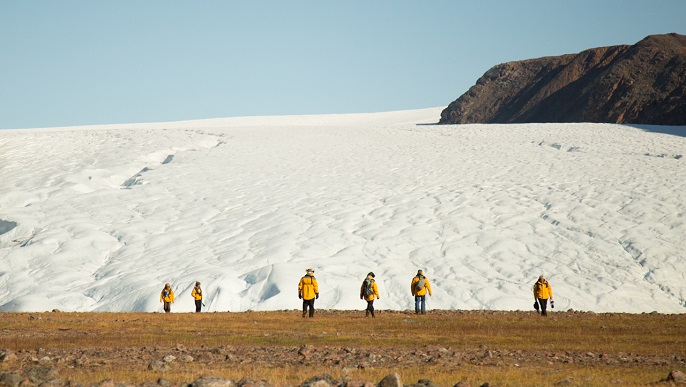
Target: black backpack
[(368, 287)]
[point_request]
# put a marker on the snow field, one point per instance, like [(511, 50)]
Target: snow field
[(99, 218)]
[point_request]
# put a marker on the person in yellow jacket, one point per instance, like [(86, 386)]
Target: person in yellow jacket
[(420, 286), (542, 293), (368, 292), (308, 291), (196, 293), (167, 297)]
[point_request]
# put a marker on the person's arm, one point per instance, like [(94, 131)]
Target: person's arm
[(375, 289), (550, 290), (316, 287), (428, 286)]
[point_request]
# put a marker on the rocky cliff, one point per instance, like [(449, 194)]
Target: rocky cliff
[(640, 84)]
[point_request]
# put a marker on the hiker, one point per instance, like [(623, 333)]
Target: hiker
[(420, 286), (542, 292), (368, 292), (197, 295), (167, 297), (308, 291)]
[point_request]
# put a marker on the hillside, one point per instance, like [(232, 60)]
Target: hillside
[(640, 84)]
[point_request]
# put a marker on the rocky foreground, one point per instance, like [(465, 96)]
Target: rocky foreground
[(41, 366), (444, 348)]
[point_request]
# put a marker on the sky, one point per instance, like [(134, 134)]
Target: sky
[(73, 63)]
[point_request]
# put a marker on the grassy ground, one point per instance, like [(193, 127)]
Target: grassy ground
[(503, 348)]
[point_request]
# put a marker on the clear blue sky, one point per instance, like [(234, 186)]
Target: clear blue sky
[(65, 63)]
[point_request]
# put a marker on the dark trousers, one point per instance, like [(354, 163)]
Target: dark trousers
[(543, 303), (308, 304), (370, 308), (167, 307), (198, 306)]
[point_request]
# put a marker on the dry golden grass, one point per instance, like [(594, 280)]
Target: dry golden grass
[(575, 334)]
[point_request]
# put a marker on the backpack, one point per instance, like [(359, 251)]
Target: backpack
[(368, 287), (420, 284)]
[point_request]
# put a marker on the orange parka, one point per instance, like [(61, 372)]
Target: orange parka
[(374, 289), (308, 287), (196, 293), (167, 295), (543, 290), (422, 291)]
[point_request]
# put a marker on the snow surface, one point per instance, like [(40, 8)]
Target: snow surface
[(99, 218)]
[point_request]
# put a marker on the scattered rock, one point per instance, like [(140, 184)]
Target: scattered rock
[(462, 383), (169, 358), (164, 382), (7, 356), (212, 381), (42, 374), (323, 380), (158, 366), (305, 351), (10, 379), (186, 358), (392, 380), (423, 383), (249, 382), (359, 383), (676, 377), (568, 381)]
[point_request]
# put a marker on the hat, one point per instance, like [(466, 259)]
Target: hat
[(371, 274), (419, 272), (197, 283), (309, 271)]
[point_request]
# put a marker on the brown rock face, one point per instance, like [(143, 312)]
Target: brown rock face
[(640, 84)]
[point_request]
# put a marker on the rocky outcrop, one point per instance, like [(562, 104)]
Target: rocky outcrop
[(640, 84)]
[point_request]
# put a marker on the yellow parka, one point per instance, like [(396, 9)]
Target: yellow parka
[(421, 292), (375, 290), (543, 290), (308, 287), (197, 293), (169, 297)]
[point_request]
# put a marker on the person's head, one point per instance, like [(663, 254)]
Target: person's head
[(371, 274), (541, 278), (197, 283), (167, 286), (420, 272), (309, 272)]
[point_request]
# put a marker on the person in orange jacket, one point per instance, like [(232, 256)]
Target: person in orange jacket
[(368, 292), (308, 291), (167, 297), (542, 293), (419, 287), (197, 296)]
